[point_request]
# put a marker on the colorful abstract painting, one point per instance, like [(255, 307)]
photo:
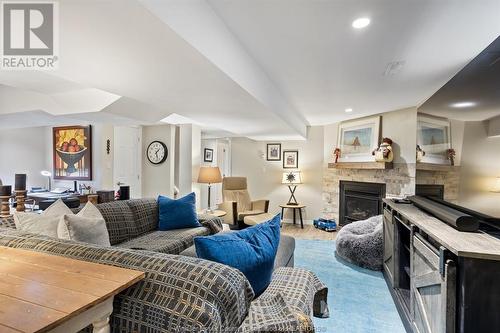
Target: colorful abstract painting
[(72, 151)]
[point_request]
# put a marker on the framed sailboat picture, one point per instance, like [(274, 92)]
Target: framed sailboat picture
[(357, 139), (433, 138)]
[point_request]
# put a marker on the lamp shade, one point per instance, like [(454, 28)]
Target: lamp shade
[(291, 177), (496, 185), (46, 173), (209, 175)]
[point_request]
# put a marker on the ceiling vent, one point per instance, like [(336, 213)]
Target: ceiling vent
[(394, 68)]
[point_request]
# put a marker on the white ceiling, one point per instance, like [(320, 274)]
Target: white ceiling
[(257, 68), (323, 65)]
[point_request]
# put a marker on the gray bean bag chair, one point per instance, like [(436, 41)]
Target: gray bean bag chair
[(361, 243)]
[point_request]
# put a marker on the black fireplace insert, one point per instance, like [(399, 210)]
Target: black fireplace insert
[(435, 191), (360, 200)]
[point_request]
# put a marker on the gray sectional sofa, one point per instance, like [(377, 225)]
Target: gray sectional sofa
[(179, 293)]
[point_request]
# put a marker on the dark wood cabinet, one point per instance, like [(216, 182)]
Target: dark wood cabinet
[(432, 289), (442, 280), (389, 246)]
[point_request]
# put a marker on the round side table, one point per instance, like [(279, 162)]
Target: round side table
[(293, 208), (217, 213)]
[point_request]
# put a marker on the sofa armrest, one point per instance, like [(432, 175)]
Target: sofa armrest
[(213, 223), (231, 208), (262, 205), (294, 295), (7, 222)]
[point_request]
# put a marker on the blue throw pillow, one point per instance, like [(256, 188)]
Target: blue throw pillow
[(177, 214), (251, 250)]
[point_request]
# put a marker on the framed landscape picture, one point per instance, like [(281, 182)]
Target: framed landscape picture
[(274, 151), (434, 138), (357, 139), (290, 159), (72, 152), (208, 155)]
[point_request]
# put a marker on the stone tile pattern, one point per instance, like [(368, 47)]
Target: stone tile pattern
[(450, 180), (400, 181)]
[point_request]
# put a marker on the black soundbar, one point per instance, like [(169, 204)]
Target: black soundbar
[(455, 218)]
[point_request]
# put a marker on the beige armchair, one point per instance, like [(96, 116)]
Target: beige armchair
[(237, 203)]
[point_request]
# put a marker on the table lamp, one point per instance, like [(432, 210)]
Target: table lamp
[(209, 175), (496, 185), (47, 174), (292, 179)]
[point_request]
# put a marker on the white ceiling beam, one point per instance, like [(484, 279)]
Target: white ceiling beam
[(197, 23)]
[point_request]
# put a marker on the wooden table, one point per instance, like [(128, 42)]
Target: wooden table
[(47, 293), (293, 207), (217, 213)]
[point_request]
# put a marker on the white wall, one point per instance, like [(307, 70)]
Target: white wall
[(494, 126), (30, 151), (104, 166), (480, 169), (248, 159), (457, 139), (24, 151), (158, 179), (399, 125), (189, 160), (195, 162), (480, 152)]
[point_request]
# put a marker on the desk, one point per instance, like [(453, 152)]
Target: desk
[(40, 196), (293, 207), (46, 293)]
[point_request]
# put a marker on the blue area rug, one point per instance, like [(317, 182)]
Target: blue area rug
[(359, 299)]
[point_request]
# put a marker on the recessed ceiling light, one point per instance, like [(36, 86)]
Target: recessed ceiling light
[(463, 104), (361, 22), (348, 110)]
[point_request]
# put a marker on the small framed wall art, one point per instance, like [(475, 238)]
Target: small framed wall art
[(290, 159), (434, 138), (274, 151), (208, 155)]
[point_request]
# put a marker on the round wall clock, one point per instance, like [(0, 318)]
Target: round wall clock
[(157, 152)]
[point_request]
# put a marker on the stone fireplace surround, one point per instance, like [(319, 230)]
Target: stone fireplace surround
[(400, 182)]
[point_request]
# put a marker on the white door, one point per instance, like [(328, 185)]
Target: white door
[(224, 164), (127, 158)]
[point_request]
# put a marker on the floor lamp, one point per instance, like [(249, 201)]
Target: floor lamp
[(209, 175), (292, 179)]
